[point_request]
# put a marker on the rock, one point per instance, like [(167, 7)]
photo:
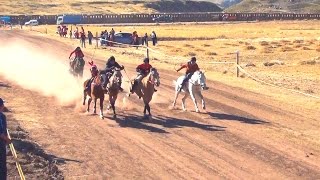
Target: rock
[(273, 62), (250, 64)]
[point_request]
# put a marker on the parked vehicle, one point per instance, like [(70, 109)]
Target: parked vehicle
[(32, 22), (162, 18), (69, 19), (5, 20), (123, 37)]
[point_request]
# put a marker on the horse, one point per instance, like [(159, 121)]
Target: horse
[(113, 90), (193, 87), (96, 92), (76, 67), (145, 89)]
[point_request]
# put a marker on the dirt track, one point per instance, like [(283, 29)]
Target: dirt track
[(242, 134)]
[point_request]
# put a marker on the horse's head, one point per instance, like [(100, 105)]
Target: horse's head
[(200, 79), (154, 77)]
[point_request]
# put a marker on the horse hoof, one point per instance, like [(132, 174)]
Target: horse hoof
[(197, 111), (114, 116), (101, 117), (204, 108), (184, 110)]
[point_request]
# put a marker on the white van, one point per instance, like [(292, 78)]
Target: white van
[(32, 23)]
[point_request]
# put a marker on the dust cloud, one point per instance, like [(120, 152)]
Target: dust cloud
[(39, 70)]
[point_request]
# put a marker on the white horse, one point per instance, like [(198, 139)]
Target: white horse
[(193, 87)]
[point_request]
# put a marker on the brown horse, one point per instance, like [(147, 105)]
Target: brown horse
[(145, 89), (96, 92), (113, 89)]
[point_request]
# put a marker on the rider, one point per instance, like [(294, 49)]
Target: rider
[(191, 67), (143, 70), (94, 72), (110, 66), (78, 55)]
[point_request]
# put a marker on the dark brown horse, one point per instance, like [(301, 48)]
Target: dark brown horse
[(96, 92)]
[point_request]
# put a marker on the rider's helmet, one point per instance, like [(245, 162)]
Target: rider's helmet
[(194, 59), (146, 60), (78, 48), (111, 59)]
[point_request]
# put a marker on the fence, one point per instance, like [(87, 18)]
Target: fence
[(176, 17)]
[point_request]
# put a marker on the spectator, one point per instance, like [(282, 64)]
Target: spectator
[(112, 32), (145, 39), (102, 38), (154, 38), (90, 36), (4, 140), (70, 33), (83, 39)]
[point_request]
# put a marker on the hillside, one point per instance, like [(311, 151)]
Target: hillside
[(296, 6), (30, 7)]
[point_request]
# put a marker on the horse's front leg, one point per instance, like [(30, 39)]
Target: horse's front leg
[(202, 101), (95, 106), (192, 95), (113, 106), (101, 108), (89, 103)]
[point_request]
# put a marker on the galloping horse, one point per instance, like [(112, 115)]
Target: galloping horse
[(96, 92), (192, 87), (145, 89), (113, 89)]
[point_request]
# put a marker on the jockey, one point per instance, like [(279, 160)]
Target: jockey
[(110, 66), (191, 67), (94, 72), (78, 55), (143, 70)]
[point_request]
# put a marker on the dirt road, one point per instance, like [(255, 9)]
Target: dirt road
[(242, 134)]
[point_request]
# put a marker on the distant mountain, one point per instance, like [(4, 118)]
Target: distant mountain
[(288, 6)]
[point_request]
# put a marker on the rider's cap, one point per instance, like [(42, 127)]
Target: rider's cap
[(146, 60), (112, 58), (193, 59), (78, 48)]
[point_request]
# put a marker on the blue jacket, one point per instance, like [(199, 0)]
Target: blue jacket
[(3, 124)]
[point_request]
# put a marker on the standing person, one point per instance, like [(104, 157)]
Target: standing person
[(83, 39), (112, 31), (4, 140), (70, 33), (90, 36), (154, 38), (145, 39)]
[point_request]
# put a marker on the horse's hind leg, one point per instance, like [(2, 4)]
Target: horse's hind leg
[(184, 101), (149, 109), (175, 99), (113, 106), (84, 98)]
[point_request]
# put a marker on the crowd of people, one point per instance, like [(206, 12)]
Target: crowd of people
[(107, 38)]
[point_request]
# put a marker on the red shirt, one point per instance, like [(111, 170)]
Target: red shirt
[(144, 67), (78, 54), (191, 68)]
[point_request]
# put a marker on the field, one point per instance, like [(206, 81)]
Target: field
[(296, 44), (249, 129)]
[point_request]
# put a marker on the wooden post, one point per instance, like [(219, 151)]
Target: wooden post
[(46, 30), (97, 41), (237, 62), (147, 48)]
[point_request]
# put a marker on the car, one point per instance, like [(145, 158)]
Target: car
[(162, 18), (123, 37), (33, 22)]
